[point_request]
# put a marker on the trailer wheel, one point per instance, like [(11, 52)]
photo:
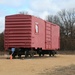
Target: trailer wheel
[(53, 53), (39, 54), (19, 56), (43, 54), (32, 52), (50, 53), (31, 55), (26, 53)]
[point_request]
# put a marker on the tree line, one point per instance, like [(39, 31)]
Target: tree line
[(66, 20), (1, 41)]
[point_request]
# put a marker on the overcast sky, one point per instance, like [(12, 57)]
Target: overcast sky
[(40, 8)]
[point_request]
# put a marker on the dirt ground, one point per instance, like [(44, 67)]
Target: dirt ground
[(37, 65), (66, 70)]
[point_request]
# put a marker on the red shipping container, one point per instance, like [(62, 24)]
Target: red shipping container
[(26, 31)]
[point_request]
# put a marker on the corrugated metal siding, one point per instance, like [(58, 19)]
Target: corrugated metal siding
[(38, 40), (18, 31), (48, 35), (55, 37)]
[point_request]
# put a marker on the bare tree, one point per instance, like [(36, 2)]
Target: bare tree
[(53, 19), (66, 20), (25, 13)]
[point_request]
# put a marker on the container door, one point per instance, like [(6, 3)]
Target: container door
[(48, 36)]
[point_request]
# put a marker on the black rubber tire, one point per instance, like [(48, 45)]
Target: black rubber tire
[(43, 54), (39, 54), (32, 55), (50, 53), (53, 53), (26, 53), (19, 56)]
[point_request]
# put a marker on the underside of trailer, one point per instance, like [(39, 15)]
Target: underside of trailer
[(30, 52)]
